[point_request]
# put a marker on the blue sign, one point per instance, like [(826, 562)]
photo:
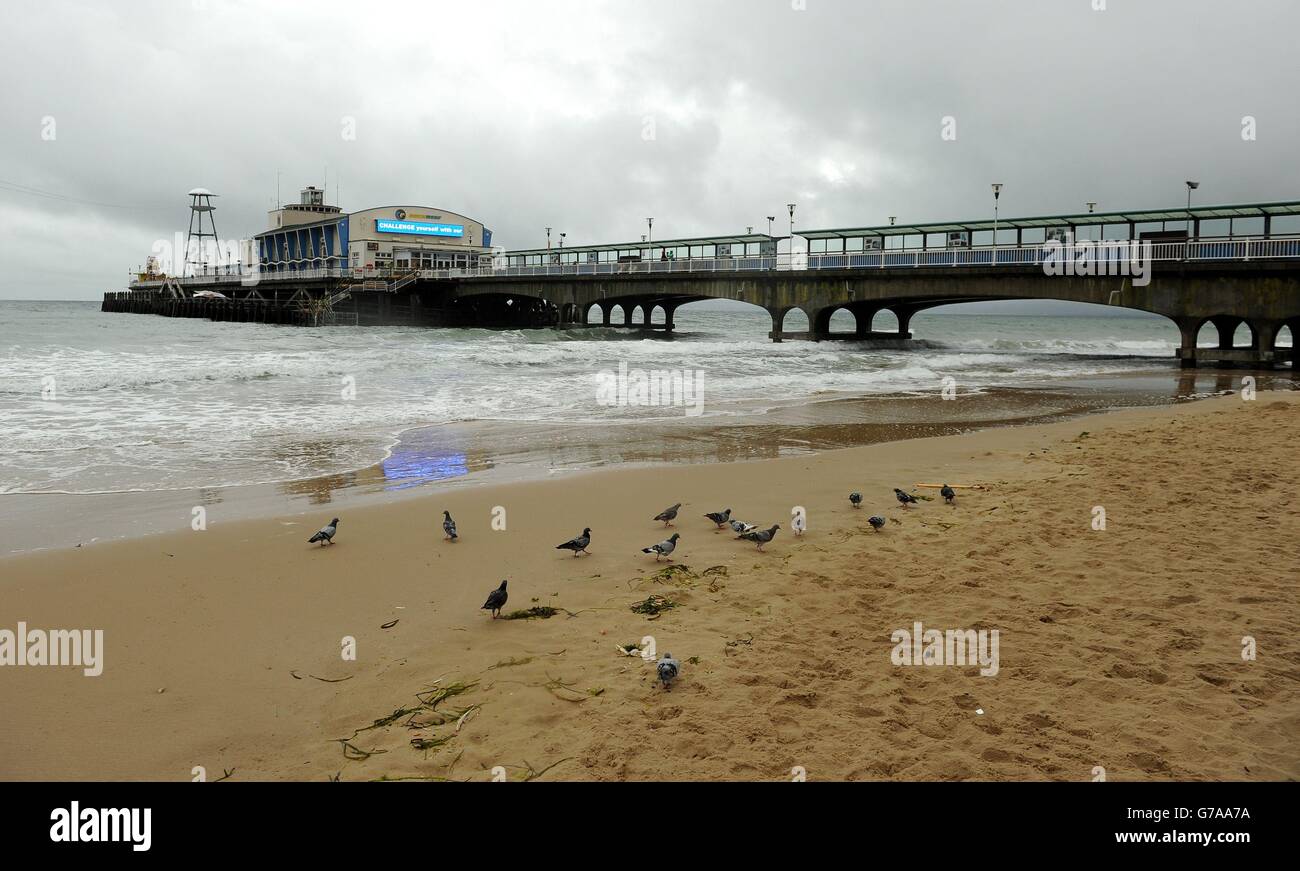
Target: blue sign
[(419, 228)]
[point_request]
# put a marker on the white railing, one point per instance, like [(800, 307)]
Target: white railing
[(1202, 250)]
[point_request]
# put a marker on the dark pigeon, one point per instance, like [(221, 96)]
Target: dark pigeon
[(577, 545), (449, 525), (948, 494), (719, 517), (668, 669), (663, 548), (326, 535), (877, 522), (904, 498), (668, 515), (856, 498), (496, 600), (762, 536)]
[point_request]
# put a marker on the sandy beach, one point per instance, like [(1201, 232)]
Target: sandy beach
[(1120, 648)]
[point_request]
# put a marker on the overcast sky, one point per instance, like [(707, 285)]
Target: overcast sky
[(590, 116)]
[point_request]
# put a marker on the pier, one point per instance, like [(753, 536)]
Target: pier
[(1170, 262)]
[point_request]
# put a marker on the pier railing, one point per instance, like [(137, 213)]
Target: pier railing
[(1034, 254)]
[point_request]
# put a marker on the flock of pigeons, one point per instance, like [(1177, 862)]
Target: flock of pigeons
[(667, 668)]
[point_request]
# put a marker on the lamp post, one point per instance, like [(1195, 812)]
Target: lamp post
[(1091, 206), (770, 219), (650, 229), (548, 238), (791, 206), (997, 192), (1191, 186)]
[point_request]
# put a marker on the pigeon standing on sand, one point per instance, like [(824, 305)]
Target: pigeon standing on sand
[(326, 534), (663, 548), (877, 522), (740, 527), (496, 600), (449, 526), (668, 515), (856, 499), (719, 517), (904, 498), (762, 536), (948, 494), (577, 545), (668, 669)]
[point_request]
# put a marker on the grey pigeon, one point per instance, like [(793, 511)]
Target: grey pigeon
[(904, 498), (668, 515), (577, 545), (740, 527), (948, 494), (877, 522), (448, 525), (762, 536), (663, 548), (326, 535), (496, 600), (668, 669), (856, 498), (719, 517)]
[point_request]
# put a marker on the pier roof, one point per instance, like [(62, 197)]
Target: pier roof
[(1196, 213)]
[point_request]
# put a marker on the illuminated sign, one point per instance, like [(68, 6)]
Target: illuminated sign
[(419, 228)]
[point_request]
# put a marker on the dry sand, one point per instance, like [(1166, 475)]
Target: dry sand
[(1119, 648)]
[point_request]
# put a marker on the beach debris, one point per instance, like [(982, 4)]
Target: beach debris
[(496, 600), (297, 676), (628, 649), (855, 499), (719, 517), (449, 526), (748, 640), (539, 612), (668, 669), (556, 685), (663, 548), (653, 605), (326, 534), (762, 536), (694, 660), (948, 494), (904, 499), (740, 527), (577, 545), (877, 522), (979, 710), (389, 625), (668, 515)]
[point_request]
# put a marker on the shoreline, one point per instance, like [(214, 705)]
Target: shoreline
[(220, 646), (437, 457)]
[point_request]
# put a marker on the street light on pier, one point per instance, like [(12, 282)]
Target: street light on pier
[(770, 219), (791, 206), (650, 229), (997, 192), (1191, 186), (548, 238), (1091, 206)]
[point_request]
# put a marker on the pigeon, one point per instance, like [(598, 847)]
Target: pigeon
[(719, 517), (663, 548), (326, 535), (856, 498), (449, 525), (877, 522), (668, 669), (948, 494), (798, 522), (740, 527), (904, 498), (668, 515), (762, 536), (496, 600), (577, 545)]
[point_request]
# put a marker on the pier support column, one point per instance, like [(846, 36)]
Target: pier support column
[(668, 317), (778, 316), (605, 312), (1187, 331)]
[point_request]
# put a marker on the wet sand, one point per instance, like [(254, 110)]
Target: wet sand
[(1120, 648), (438, 458)]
